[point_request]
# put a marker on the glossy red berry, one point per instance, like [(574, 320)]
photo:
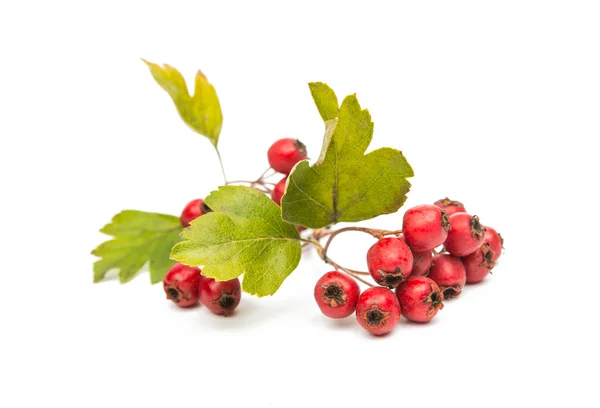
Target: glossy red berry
[(421, 261), (278, 191), (390, 261), (336, 294), (378, 310), (450, 206), (193, 210), (449, 273), (479, 263), (496, 242), (465, 236), (285, 153), (182, 284), (425, 227), (420, 298), (220, 297)]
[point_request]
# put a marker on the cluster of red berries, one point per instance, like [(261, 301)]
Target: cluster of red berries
[(409, 263), (185, 285)]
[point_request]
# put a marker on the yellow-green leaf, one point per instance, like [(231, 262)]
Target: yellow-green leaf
[(201, 111), (243, 235)]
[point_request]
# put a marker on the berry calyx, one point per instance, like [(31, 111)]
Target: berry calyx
[(336, 294), (182, 284), (193, 210), (425, 227), (378, 310), (390, 261), (285, 153), (221, 298), (420, 298), (449, 273), (450, 206), (278, 191), (466, 234), (496, 243), (479, 263)]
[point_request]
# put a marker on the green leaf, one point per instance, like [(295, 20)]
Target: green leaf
[(345, 184), (202, 111), (243, 235), (325, 99), (139, 237)]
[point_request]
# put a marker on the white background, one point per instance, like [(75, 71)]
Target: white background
[(493, 103)]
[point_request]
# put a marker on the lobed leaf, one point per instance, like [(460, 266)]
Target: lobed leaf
[(243, 235), (345, 184), (139, 237), (202, 111)]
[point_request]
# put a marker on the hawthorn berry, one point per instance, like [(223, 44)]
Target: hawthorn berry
[(465, 236), (278, 191), (390, 261), (421, 261), (336, 294), (221, 298), (285, 153), (420, 298), (479, 263), (193, 210), (450, 206), (425, 227), (378, 310), (182, 284), (496, 242), (449, 273)]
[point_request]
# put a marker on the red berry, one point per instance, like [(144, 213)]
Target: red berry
[(193, 210), (450, 206), (420, 298), (421, 261), (479, 263), (378, 310), (278, 191), (390, 261), (220, 297), (465, 236), (496, 242), (449, 273), (285, 153), (425, 227), (336, 294), (182, 284)]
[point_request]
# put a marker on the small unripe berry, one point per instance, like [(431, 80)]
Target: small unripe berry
[(420, 298), (425, 227), (449, 273), (378, 310), (221, 298), (465, 236), (285, 153), (390, 261), (478, 264), (496, 242), (336, 294), (182, 284), (450, 206), (193, 210), (278, 191)]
